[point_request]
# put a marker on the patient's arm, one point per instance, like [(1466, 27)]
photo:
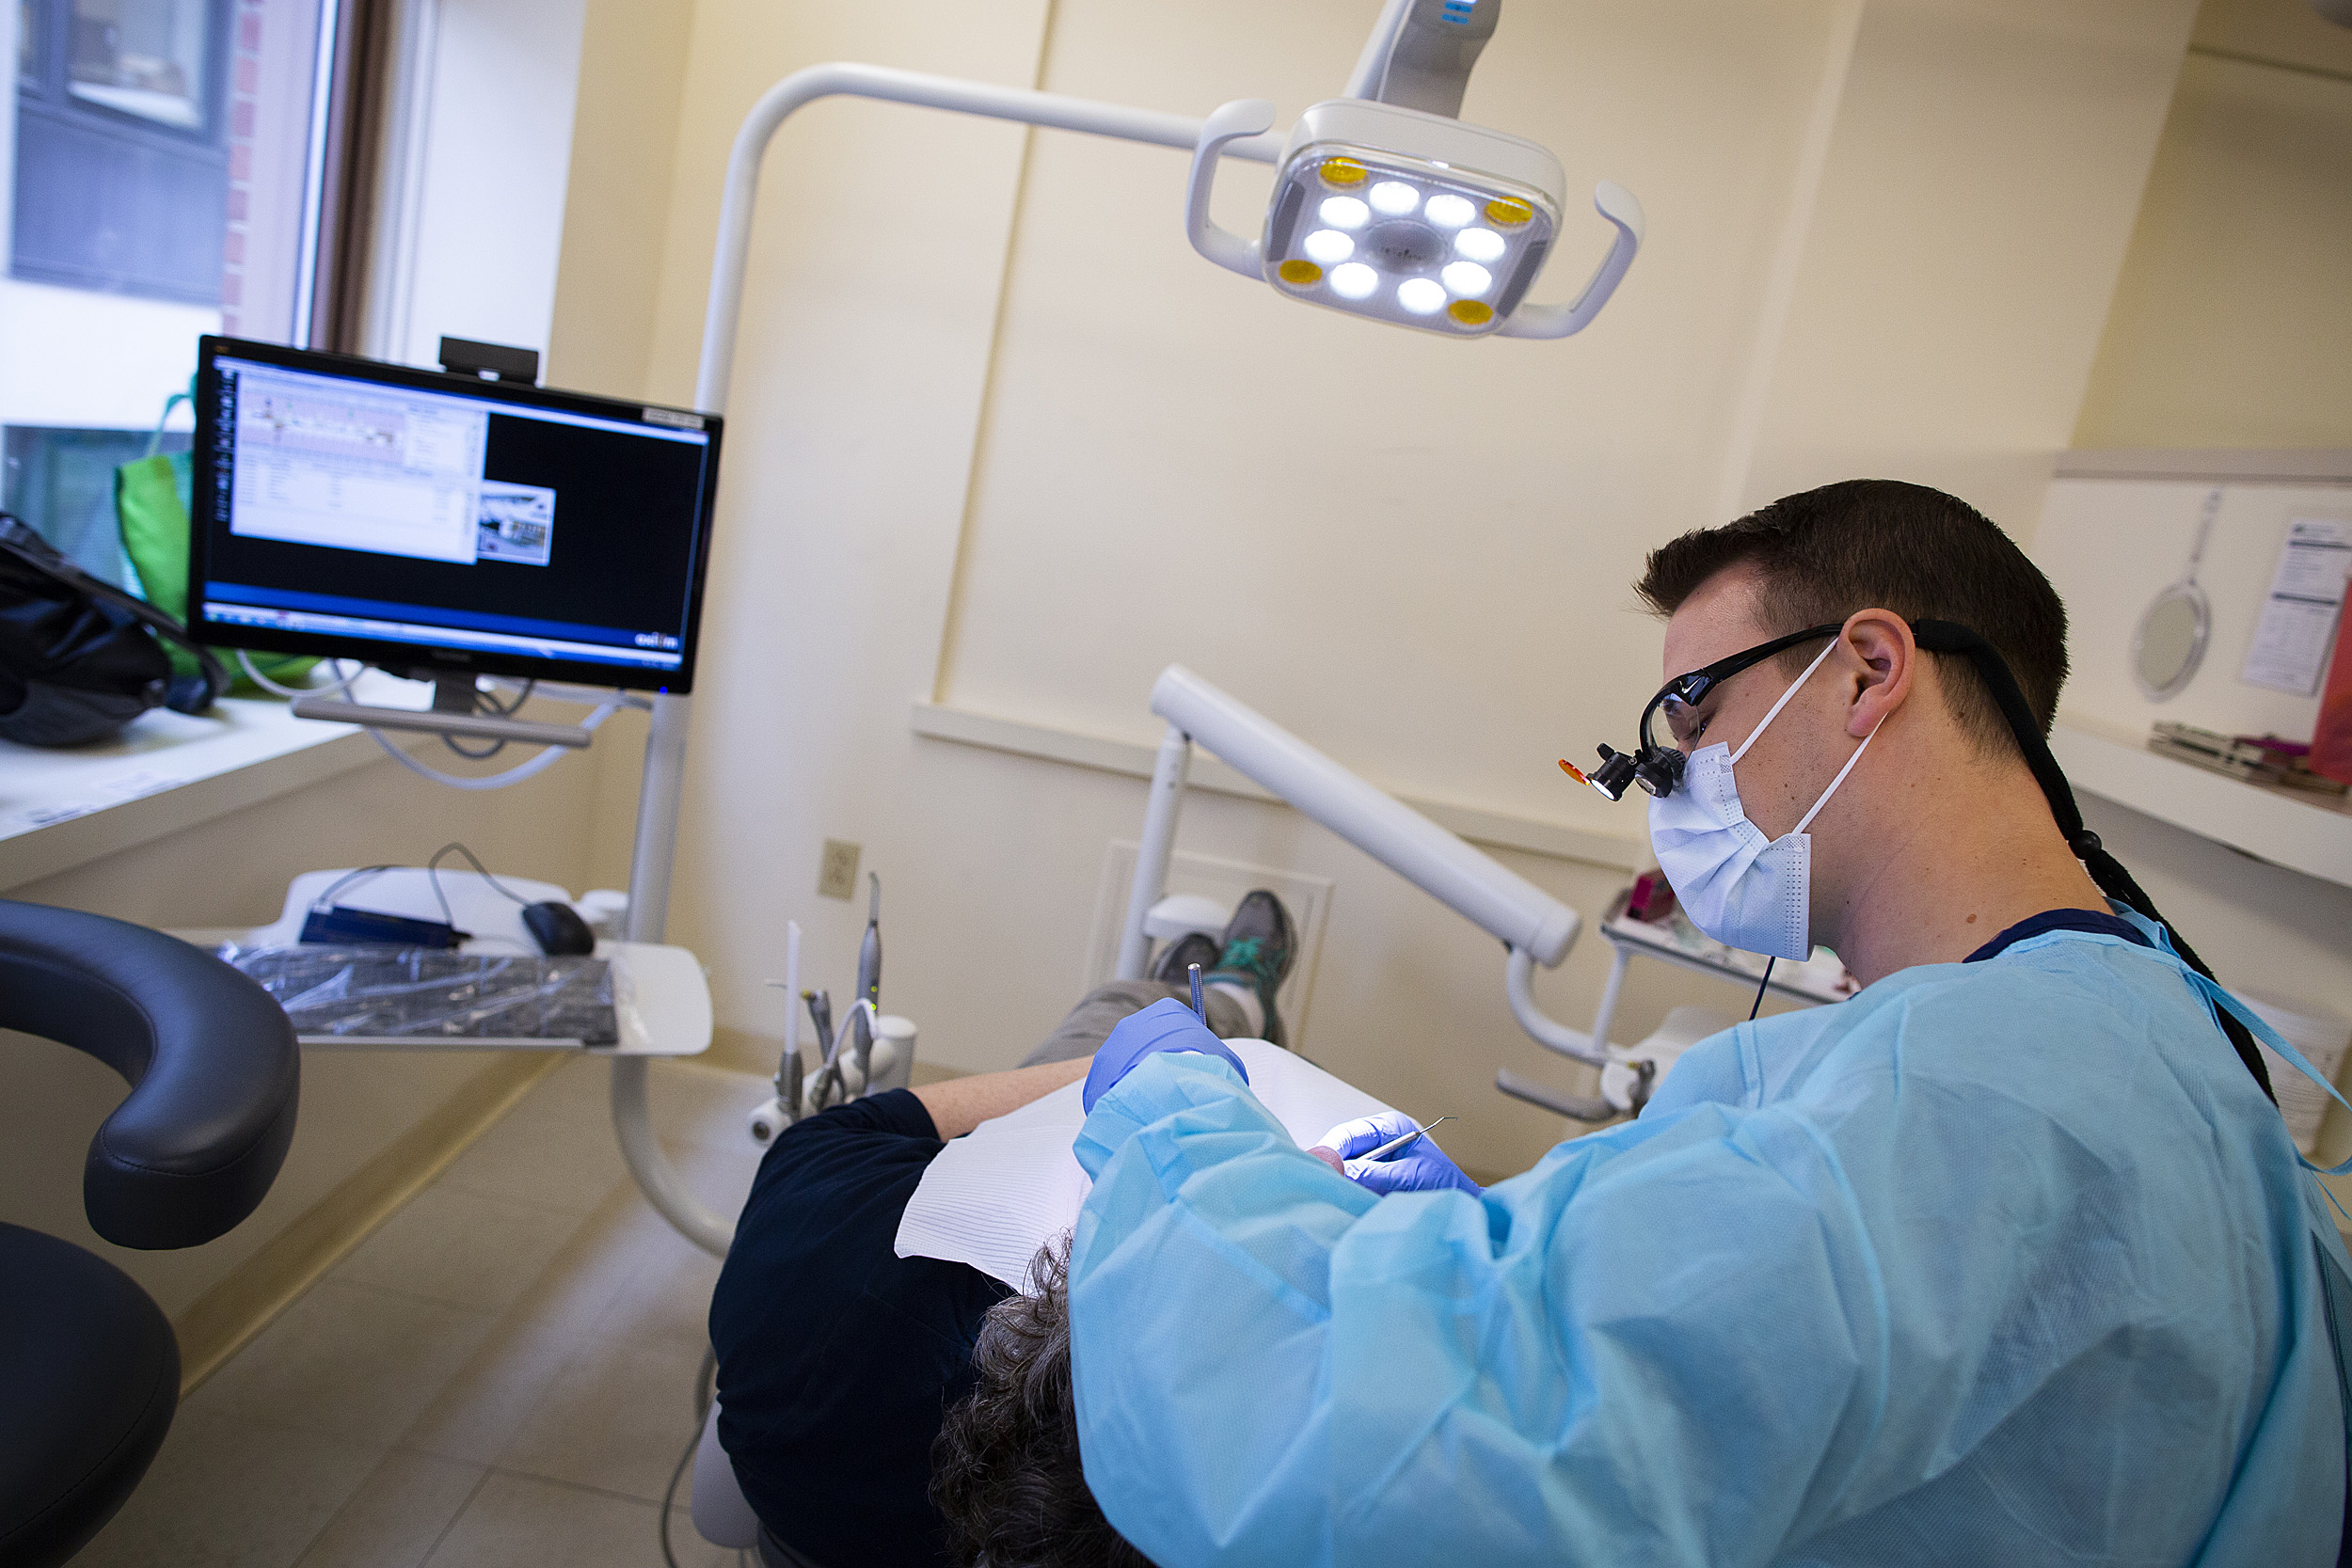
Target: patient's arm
[(959, 1104)]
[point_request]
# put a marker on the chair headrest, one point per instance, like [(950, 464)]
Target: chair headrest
[(214, 1068)]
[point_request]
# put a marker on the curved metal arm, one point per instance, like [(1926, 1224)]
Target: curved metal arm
[(665, 753), (1548, 1032), (650, 1163), (1577, 1107), (1243, 116), (1617, 204), (840, 80)]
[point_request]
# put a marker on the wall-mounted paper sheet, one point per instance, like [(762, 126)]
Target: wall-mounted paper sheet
[(996, 1195), (2290, 645)]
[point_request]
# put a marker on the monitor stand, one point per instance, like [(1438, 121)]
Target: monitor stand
[(457, 709)]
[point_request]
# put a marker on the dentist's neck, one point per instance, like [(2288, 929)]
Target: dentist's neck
[(1942, 852)]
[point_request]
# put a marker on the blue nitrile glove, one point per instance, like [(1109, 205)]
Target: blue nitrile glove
[(1167, 1024), (1420, 1166)]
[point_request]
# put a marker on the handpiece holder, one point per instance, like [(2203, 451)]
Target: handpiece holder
[(457, 710)]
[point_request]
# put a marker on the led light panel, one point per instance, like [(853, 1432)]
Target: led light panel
[(1411, 240)]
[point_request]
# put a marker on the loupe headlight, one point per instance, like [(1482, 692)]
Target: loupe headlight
[(1658, 769), (1655, 768)]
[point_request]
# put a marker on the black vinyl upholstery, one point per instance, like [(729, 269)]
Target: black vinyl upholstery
[(89, 1372), (211, 1063), (92, 1376)]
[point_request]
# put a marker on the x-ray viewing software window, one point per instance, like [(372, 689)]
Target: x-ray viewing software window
[(327, 462), (355, 506)]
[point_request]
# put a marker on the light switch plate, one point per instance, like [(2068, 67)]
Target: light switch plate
[(836, 872)]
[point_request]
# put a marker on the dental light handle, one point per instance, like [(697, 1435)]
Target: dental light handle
[(1490, 896), (1242, 118), (1617, 204), (1421, 52)]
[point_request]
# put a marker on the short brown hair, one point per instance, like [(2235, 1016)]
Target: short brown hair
[(1004, 1470), (1866, 543)]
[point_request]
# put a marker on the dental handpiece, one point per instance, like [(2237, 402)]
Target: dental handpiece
[(828, 1073), (868, 980)]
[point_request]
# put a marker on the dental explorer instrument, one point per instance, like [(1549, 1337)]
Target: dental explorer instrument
[(1198, 1005), (789, 1070), (1394, 1144)]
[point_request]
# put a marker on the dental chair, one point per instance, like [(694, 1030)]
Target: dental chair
[(89, 1372)]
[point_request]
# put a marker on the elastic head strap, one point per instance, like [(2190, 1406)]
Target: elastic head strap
[(1948, 637)]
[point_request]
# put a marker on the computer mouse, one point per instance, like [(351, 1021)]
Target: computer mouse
[(558, 929)]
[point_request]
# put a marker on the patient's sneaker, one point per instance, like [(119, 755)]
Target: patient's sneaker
[(1178, 956), (1259, 947)]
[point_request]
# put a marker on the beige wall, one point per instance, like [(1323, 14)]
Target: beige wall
[(997, 438), (2231, 326)]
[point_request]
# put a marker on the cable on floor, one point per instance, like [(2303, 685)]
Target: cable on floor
[(702, 1395)]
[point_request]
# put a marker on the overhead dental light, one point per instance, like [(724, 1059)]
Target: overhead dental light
[(1404, 213), (1386, 205)]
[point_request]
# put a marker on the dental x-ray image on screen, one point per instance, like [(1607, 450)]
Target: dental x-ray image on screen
[(437, 523)]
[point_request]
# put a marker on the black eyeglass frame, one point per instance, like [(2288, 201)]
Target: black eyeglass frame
[(1658, 769)]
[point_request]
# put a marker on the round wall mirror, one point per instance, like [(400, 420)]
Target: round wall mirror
[(2170, 642)]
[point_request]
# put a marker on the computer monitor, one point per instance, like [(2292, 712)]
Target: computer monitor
[(441, 525)]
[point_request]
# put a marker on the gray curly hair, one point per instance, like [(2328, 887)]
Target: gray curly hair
[(1004, 1470)]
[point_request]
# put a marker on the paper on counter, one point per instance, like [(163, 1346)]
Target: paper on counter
[(996, 1195), (2323, 1036), (2290, 645)]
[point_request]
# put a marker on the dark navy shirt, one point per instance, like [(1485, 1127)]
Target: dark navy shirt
[(837, 1356), (2060, 920)]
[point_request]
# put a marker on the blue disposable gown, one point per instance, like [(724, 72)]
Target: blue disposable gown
[(1995, 1263)]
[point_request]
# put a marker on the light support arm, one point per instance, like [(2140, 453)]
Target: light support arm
[(1533, 925), (1421, 52), (1545, 1030), (661, 795), (1617, 204), (1474, 885), (1243, 116), (1020, 106), (1152, 850)]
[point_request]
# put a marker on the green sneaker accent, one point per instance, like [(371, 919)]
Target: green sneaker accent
[(1260, 945)]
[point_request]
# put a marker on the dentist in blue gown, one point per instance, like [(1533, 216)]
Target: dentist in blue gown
[(2007, 1259)]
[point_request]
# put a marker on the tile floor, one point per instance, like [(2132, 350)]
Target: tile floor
[(503, 1374)]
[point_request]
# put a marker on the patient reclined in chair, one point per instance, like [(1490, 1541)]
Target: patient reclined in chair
[(837, 1358)]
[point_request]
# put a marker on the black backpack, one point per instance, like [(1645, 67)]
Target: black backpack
[(78, 656)]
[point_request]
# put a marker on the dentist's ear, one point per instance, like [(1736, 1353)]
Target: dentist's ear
[(1880, 658)]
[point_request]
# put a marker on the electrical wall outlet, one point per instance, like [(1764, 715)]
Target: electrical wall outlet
[(836, 873), (1307, 899)]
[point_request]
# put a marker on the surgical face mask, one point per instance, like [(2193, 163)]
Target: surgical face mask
[(1736, 886)]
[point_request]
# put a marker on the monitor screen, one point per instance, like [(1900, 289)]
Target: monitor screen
[(436, 524)]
